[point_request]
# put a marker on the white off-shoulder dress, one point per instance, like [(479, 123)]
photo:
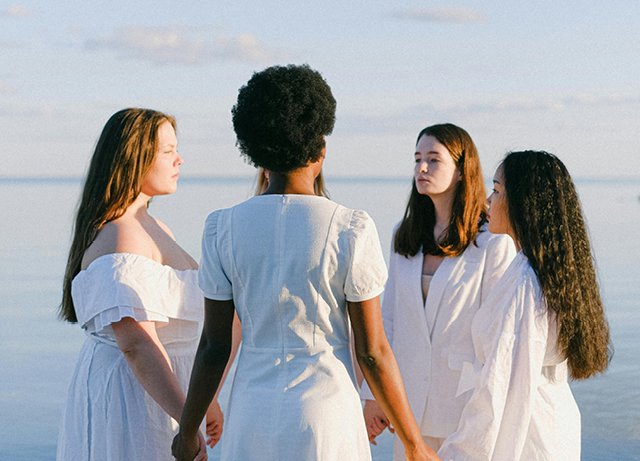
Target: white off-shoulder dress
[(290, 263), (108, 414)]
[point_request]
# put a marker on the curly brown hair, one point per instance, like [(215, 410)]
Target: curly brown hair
[(545, 213)]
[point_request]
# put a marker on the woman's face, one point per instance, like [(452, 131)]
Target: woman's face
[(498, 212), (436, 173), (162, 178)]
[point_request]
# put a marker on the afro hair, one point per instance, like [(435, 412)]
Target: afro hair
[(281, 117)]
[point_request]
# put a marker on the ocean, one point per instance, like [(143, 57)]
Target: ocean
[(38, 352)]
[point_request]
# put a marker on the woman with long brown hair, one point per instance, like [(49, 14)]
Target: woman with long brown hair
[(542, 324), (134, 292), (443, 263)]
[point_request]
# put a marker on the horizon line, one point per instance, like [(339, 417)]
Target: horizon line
[(328, 177)]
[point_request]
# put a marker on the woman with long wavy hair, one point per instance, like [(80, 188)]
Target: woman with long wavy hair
[(443, 263), (134, 292), (542, 324)]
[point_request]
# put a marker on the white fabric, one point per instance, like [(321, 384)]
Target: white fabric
[(290, 263), (430, 362), (108, 414), (521, 406)]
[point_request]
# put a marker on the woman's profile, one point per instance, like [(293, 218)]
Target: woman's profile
[(542, 324), (134, 292)]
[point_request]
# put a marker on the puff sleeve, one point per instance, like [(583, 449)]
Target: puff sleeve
[(212, 277), (367, 272)]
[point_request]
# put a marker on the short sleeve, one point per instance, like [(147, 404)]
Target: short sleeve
[(367, 271), (213, 280)]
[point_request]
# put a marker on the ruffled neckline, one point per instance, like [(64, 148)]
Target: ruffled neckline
[(126, 255)]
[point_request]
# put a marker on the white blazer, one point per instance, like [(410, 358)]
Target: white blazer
[(430, 364)]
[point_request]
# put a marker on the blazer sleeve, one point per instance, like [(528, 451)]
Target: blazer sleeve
[(493, 425), (499, 255), (388, 308)]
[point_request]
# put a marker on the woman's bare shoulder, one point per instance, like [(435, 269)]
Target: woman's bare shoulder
[(119, 236)]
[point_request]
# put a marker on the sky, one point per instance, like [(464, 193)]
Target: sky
[(562, 76)]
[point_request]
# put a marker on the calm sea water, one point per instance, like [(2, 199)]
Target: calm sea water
[(38, 352)]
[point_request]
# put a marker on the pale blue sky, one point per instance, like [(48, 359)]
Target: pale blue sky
[(557, 75)]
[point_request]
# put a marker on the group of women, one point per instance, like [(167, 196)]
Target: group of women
[(490, 306)]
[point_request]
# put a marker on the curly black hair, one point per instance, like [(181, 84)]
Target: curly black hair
[(281, 117), (545, 212)]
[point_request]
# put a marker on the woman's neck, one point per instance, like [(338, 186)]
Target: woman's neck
[(442, 206), (299, 181), (138, 209)]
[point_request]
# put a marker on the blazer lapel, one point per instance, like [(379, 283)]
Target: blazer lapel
[(414, 288), (439, 283)]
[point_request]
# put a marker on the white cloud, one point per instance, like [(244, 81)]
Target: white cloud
[(530, 104), (454, 15), (16, 11), (177, 46)]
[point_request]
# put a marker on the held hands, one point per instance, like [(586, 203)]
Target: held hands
[(215, 421), (422, 452), (189, 450), (375, 420)]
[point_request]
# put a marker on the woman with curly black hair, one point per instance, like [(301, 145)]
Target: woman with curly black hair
[(297, 268), (542, 324)]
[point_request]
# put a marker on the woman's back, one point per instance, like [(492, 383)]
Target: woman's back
[(289, 261)]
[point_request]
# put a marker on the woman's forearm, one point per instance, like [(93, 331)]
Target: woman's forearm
[(150, 364), (208, 369), (383, 377)]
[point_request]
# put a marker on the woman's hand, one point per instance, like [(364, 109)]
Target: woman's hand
[(215, 422), (375, 420), (189, 449), (421, 453)]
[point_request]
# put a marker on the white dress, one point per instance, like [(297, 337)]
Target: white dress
[(108, 415), (290, 263), (521, 407)]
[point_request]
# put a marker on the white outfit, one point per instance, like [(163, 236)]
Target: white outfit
[(108, 415), (431, 340), (521, 407), (290, 263)]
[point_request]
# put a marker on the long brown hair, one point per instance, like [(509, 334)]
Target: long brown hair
[(123, 155), (469, 204), (545, 213)]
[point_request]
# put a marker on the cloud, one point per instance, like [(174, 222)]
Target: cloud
[(393, 122), (451, 15), (177, 46), (16, 11), (530, 104)]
